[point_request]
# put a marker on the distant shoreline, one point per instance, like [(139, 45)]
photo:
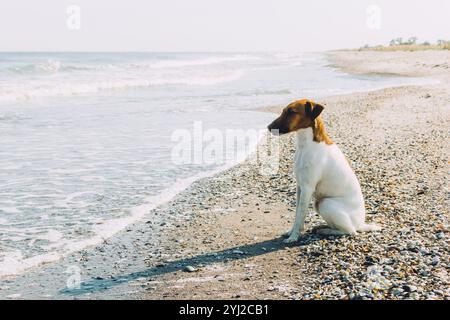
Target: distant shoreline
[(427, 63)]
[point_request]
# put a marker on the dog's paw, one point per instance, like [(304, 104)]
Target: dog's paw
[(287, 233), (292, 238)]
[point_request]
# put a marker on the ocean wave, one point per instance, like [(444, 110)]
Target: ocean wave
[(289, 55), (55, 66), (201, 62), (50, 66), (14, 262), (56, 88)]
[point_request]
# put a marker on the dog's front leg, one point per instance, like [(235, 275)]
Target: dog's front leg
[(300, 213), (297, 203)]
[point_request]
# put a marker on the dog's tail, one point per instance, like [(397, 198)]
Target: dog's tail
[(367, 227)]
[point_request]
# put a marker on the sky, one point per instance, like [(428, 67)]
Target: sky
[(216, 25)]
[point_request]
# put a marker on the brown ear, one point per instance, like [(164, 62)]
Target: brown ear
[(313, 111)]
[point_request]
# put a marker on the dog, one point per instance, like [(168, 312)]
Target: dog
[(321, 169)]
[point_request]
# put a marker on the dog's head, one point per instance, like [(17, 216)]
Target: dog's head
[(297, 115)]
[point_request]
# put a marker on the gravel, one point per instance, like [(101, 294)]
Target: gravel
[(401, 166)]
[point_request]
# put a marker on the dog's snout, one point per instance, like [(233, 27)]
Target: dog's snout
[(271, 127), (275, 128)]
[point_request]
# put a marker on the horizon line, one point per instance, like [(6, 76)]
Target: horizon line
[(161, 51)]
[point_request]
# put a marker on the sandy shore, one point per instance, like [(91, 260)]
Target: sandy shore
[(405, 63), (396, 140), (227, 228)]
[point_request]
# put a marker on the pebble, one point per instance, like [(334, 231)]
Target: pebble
[(409, 288), (435, 261), (189, 269), (397, 292)]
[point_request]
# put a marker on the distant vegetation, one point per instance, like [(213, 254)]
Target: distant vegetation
[(410, 44)]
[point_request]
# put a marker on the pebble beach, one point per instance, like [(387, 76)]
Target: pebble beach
[(222, 238), (396, 140)]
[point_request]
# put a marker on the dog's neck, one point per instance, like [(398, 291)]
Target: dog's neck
[(305, 137), (314, 134)]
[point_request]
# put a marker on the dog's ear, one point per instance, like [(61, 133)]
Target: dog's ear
[(313, 110)]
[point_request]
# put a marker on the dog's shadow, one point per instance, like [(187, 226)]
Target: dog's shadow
[(99, 284)]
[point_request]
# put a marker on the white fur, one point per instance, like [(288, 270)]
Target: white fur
[(322, 169)]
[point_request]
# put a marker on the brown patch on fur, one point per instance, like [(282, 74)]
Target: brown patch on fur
[(320, 133), (302, 114)]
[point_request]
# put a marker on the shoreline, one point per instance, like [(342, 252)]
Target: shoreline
[(398, 63), (167, 195), (406, 260), (241, 269), (227, 226), (118, 225)]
